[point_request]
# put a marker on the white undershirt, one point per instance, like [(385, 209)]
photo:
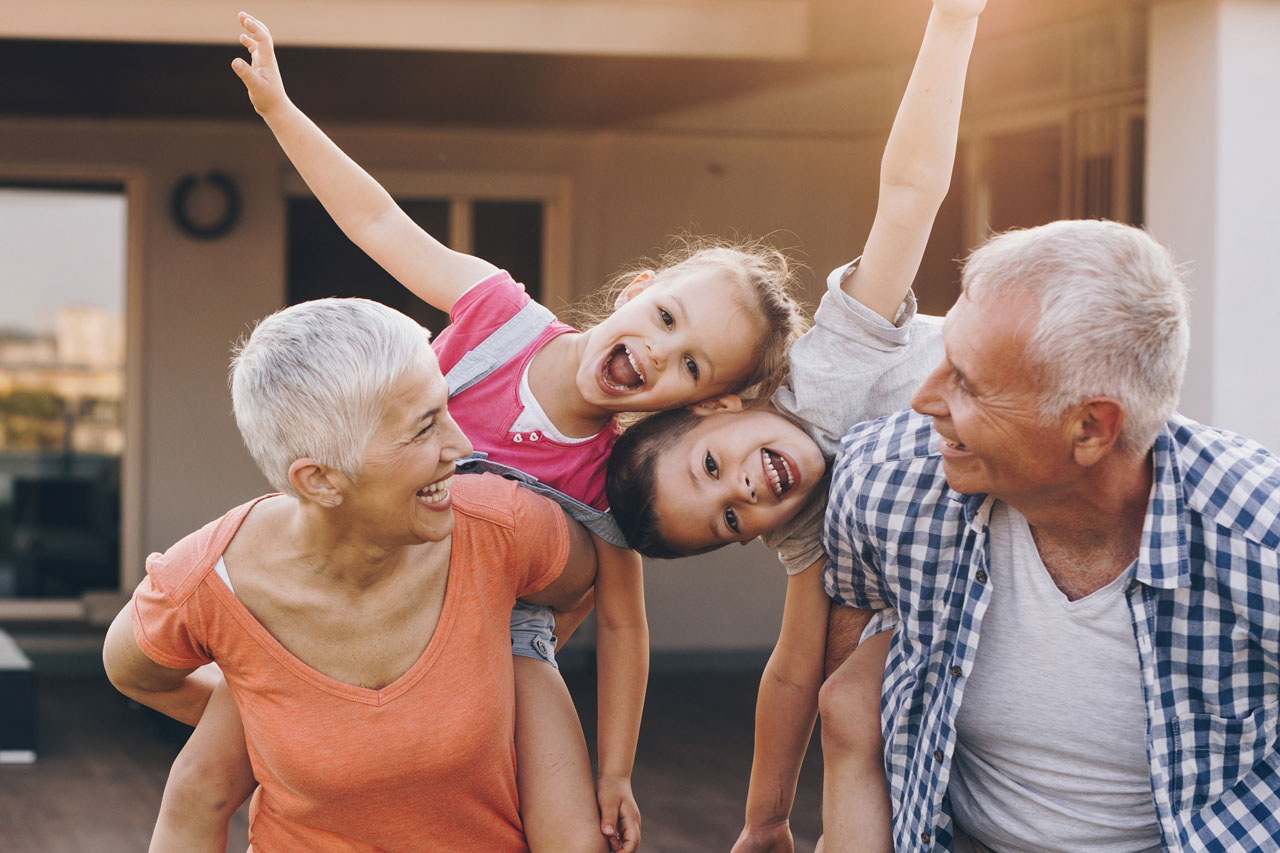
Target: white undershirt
[(1051, 733), (533, 419)]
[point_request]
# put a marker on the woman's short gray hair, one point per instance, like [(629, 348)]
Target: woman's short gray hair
[(1113, 316), (312, 380)]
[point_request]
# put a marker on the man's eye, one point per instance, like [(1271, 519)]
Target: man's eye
[(710, 464), (426, 429), (731, 519), (691, 366), (666, 318)]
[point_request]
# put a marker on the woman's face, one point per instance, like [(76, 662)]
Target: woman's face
[(732, 477), (401, 495)]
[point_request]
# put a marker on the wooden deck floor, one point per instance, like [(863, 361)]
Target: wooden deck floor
[(102, 765)]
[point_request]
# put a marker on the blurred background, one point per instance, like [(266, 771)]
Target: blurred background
[(147, 219)]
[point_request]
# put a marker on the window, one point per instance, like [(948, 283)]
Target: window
[(62, 348)]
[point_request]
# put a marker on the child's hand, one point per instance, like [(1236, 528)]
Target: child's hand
[(774, 838), (619, 814), (262, 78), (960, 8)]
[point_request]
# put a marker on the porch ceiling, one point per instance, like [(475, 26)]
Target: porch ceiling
[(115, 80)]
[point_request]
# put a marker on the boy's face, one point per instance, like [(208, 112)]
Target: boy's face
[(733, 477)]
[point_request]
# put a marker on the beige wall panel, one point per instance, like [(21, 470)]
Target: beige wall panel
[(629, 191)]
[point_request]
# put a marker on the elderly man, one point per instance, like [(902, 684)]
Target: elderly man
[(1118, 561)]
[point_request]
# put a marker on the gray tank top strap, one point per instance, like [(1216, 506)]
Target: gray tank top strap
[(598, 521), (500, 347)]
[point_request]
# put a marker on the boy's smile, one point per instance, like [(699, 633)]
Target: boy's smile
[(732, 477)]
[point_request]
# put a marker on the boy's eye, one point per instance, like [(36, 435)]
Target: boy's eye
[(710, 464), (666, 318), (691, 366), (731, 519)]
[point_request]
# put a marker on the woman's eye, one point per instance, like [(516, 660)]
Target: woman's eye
[(426, 429), (666, 318), (691, 366), (710, 464), (731, 519)]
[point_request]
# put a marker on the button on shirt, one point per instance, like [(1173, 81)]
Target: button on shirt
[(1205, 606)]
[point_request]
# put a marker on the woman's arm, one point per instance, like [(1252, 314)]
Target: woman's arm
[(178, 693), (622, 649), (915, 172), (785, 712), (364, 211)]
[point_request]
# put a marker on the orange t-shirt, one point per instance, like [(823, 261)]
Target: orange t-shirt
[(427, 762)]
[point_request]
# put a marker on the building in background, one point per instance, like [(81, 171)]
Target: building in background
[(566, 139)]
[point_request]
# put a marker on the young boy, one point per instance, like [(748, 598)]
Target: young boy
[(759, 472)]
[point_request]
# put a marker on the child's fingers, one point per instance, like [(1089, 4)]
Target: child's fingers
[(249, 42)]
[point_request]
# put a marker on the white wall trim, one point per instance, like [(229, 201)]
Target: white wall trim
[(756, 29)]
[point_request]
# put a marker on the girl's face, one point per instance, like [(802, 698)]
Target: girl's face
[(674, 340), (734, 476)]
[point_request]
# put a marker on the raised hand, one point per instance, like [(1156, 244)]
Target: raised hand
[(960, 8), (262, 77)]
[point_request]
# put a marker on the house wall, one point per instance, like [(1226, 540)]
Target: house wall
[(191, 299)]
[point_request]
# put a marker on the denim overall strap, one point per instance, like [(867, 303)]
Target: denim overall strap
[(502, 344), (598, 521)]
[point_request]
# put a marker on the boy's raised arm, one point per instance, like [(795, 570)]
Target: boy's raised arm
[(915, 172), (364, 211)]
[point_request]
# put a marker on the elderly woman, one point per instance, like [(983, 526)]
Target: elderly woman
[(360, 618)]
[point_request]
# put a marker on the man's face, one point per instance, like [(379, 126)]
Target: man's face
[(732, 477), (984, 401)]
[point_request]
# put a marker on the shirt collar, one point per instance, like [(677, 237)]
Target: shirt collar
[(1162, 559)]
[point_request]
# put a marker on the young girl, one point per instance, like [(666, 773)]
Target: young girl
[(544, 400), (689, 481)]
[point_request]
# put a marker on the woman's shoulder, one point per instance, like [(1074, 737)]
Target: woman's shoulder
[(180, 568), (488, 499)]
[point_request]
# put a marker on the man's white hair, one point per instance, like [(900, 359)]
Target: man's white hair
[(1113, 316), (313, 379)]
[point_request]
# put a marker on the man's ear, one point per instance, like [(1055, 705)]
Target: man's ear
[(723, 403), (1097, 429), (632, 290), (315, 482)]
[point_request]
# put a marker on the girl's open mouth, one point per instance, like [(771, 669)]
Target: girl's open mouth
[(619, 372)]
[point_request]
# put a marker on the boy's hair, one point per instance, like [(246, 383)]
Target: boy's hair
[(760, 268), (631, 482)]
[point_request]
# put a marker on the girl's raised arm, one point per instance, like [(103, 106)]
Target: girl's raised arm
[(364, 211), (915, 172)]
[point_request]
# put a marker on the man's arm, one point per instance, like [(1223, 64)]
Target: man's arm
[(178, 693), (359, 205), (915, 172)]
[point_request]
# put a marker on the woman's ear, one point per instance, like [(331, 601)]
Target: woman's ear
[(632, 290), (723, 403), (315, 482)]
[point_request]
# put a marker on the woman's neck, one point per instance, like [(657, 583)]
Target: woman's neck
[(553, 375)]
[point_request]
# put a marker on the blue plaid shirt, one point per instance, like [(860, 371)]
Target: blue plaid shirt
[(1205, 600)]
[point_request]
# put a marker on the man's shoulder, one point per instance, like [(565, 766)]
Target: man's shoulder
[(902, 437), (1231, 481), (889, 471)]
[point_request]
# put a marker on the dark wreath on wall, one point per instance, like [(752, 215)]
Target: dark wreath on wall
[(227, 218)]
